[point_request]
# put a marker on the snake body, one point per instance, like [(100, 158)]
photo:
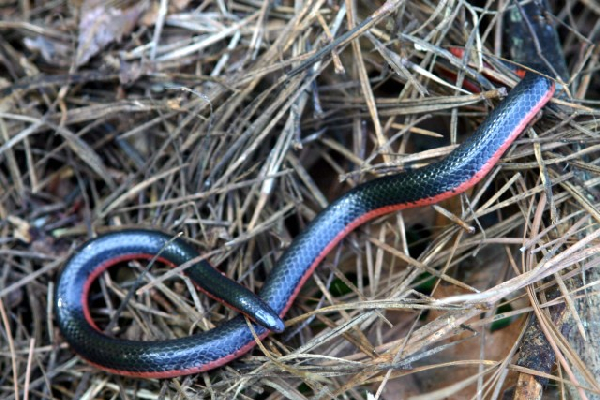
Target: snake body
[(460, 170)]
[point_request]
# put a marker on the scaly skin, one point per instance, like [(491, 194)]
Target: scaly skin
[(462, 169)]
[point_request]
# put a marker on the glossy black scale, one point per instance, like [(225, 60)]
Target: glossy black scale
[(211, 349)]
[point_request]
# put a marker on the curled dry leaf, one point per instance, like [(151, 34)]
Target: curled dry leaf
[(103, 23)]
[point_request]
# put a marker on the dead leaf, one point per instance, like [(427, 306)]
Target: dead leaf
[(102, 23)]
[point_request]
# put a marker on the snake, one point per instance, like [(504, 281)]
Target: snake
[(460, 170)]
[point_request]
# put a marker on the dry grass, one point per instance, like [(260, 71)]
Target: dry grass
[(223, 121)]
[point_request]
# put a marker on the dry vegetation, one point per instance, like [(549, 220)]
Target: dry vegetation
[(191, 117)]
